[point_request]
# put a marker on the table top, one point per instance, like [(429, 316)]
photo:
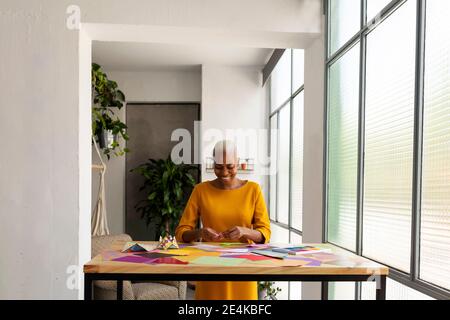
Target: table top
[(191, 260)]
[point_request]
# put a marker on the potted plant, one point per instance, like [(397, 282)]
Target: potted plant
[(106, 126), (267, 290), (167, 187)]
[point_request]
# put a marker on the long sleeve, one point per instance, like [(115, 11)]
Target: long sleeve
[(190, 216), (261, 221)]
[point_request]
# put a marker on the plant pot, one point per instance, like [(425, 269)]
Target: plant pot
[(106, 139), (262, 294)]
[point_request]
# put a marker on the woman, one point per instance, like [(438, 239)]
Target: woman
[(230, 210)]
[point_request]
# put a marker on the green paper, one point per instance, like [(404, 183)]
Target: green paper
[(210, 260)]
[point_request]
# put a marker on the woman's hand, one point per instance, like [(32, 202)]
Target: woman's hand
[(243, 234), (236, 233), (209, 234)]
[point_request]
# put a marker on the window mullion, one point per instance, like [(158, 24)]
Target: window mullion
[(418, 139)]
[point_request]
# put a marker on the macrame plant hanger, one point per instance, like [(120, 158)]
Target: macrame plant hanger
[(99, 221)]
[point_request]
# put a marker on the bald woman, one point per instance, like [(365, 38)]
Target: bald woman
[(231, 210)]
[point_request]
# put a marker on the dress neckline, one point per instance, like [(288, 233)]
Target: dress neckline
[(241, 187)]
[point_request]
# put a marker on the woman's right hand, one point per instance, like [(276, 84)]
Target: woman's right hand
[(209, 235)]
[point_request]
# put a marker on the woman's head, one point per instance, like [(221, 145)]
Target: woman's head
[(225, 160)]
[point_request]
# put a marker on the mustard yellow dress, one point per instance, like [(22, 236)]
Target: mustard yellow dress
[(221, 210)]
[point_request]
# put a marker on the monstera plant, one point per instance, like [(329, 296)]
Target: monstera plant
[(106, 126), (167, 187)]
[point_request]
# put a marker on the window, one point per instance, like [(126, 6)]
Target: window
[(343, 149), (279, 234), (286, 180), (435, 223), (280, 81), (394, 291), (388, 143), (345, 22), (273, 167), (297, 162), (374, 7), (298, 67), (342, 291), (286, 151), (389, 136), (284, 163)]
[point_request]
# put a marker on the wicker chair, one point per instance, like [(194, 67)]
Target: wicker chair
[(107, 290)]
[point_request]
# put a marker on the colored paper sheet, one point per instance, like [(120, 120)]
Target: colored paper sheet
[(154, 255), (168, 260), (253, 257), (132, 259), (270, 253), (109, 255), (132, 246), (300, 250), (185, 245), (268, 263), (310, 262), (226, 244), (178, 252), (218, 261), (214, 248)]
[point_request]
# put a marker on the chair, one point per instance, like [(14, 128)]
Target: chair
[(107, 290)]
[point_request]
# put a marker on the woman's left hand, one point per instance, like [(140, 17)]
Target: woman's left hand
[(236, 233)]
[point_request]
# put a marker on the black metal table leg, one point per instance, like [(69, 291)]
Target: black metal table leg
[(119, 289), (381, 288), (87, 286), (324, 290)]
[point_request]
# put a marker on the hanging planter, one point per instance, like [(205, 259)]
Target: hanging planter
[(106, 126), (106, 139)]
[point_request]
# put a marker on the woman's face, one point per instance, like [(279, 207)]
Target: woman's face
[(227, 171)]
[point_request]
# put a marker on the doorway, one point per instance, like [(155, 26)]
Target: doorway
[(150, 127)]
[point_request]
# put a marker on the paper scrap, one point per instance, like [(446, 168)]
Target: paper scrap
[(133, 246), (208, 260)]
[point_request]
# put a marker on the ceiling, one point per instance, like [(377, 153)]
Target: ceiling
[(130, 56)]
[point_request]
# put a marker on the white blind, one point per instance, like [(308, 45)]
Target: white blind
[(280, 81), (283, 164), (389, 138), (343, 149), (435, 224), (297, 163), (345, 22), (273, 166)]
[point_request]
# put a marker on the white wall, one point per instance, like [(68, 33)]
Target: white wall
[(159, 86), (233, 98), (40, 162), (149, 86), (84, 150)]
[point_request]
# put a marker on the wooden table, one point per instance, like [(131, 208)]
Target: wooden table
[(337, 266)]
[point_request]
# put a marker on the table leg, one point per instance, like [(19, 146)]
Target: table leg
[(87, 287), (324, 290), (119, 289), (381, 288)]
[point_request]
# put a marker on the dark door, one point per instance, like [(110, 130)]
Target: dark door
[(150, 127)]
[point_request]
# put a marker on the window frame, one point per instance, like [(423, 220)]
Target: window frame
[(276, 113), (412, 278)]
